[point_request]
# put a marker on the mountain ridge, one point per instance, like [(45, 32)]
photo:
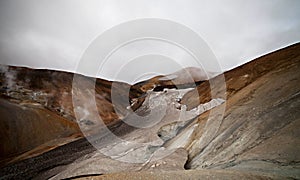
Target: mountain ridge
[(258, 133)]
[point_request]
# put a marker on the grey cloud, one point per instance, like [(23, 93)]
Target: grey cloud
[(54, 34)]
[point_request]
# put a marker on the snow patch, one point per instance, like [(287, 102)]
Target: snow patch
[(168, 77)]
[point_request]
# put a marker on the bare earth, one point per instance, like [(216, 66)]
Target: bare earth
[(257, 138)]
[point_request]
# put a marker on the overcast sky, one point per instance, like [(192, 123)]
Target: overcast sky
[(54, 34)]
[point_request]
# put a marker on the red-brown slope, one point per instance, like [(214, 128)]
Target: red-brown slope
[(244, 75), (25, 127), (260, 129), (37, 107)]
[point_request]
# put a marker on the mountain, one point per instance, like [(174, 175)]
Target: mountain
[(238, 125), (36, 107)]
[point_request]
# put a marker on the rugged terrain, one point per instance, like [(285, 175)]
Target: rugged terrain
[(37, 109), (239, 125)]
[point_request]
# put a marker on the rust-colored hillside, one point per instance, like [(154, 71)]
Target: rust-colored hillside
[(253, 134)]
